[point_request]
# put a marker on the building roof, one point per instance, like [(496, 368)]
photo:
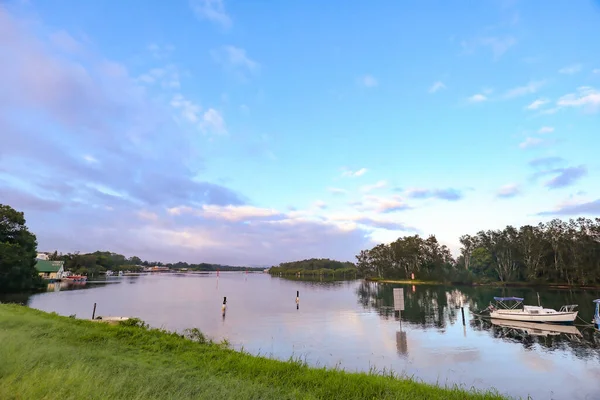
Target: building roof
[(48, 266)]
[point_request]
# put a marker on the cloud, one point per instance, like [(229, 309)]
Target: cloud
[(369, 81), (571, 69), (389, 225), (546, 129), (586, 97), (381, 205), (90, 159), (337, 191), (508, 191), (213, 122), (449, 194), (190, 111), (437, 86), (377, 185), (531, 88), (160, 51), (566, 176), (236, 60), (477, 98), (536, 104), (498, 45), (546, 161), (167, 77), (596, 71), (65, 42), (81, 107), (531, 142), (212, 10), (354, 174), (586, 208)]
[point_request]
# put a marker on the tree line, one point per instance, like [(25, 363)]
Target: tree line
[(92, 264), (556, 252), (314, 266)]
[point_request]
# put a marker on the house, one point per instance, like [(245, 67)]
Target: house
[(50, 269)]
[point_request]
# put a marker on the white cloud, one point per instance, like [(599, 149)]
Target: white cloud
[(236, 59), (353, 174), (167, 77), (380, 204), (229, 213), (90, 159), (546, 129), (213, 121), (531, 88), (376, 185), (571, 69), (537, 104), (596, 71), (337, 190), (509, 190), (159, 51), (477, 98), (498, 45), (586, 97), (320, 204), (369, 81), (212, 10), (147, 215), (531, 142), (437, 86), (188, 109)]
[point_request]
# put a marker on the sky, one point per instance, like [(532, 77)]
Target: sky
[(253, 133)]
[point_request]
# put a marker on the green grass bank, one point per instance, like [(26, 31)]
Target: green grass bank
[(46, 356)]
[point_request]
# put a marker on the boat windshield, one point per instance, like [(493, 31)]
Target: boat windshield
[(509, 299)]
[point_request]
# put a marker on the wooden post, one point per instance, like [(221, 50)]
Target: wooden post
[(94, 312), (462, 311), (224, 306)]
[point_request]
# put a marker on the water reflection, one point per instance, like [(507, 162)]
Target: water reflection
[(440, 307)]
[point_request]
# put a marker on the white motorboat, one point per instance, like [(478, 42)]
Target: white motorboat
[(501, 310)]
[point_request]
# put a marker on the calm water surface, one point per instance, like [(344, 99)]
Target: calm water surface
[(351, 324)]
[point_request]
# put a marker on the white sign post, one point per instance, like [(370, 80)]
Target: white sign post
[(399, 303)]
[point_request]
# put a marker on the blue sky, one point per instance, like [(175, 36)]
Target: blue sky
[(259, 132)]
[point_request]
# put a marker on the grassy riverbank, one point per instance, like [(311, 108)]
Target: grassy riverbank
[(52, 357)]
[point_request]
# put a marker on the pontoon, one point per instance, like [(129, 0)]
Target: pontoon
[(530, 313)]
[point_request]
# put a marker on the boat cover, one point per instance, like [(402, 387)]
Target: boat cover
[(509, 298)]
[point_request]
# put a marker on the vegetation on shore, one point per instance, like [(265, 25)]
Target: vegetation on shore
[(552, 254), (315, 267), (92, 264), (17, 253), (52, 357)]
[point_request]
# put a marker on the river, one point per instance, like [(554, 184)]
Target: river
[(351, 325)]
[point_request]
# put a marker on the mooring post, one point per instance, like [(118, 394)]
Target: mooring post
[(94, 312), (462, 311)]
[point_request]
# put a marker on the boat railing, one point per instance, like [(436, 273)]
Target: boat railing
[(568, 308)]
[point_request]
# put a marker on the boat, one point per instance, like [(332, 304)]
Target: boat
[(76, 278), (597, 314), (501, 310)]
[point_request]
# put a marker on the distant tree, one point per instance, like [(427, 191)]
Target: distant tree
[(18, 250)]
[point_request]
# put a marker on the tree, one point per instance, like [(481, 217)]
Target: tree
[(18, 250)]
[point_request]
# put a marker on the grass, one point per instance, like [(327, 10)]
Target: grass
[(46, 356)]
